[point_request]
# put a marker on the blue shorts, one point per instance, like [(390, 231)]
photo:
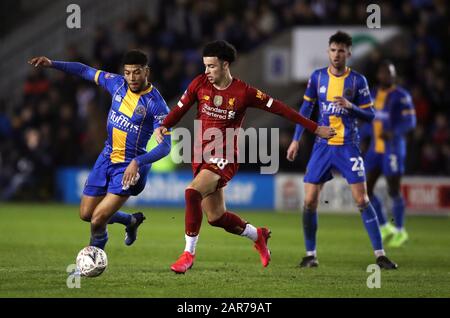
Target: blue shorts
[(107, 177), (346, 159), (390, 164)]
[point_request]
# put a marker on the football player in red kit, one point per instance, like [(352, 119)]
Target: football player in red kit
[(222, 102)]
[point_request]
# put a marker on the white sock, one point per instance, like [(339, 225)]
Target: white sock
[(379, 253), (191, 243), (311, 253), (251, 232)]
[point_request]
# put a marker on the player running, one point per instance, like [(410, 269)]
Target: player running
[(394, 117), (222, 101), (342, 96), (121, 169)]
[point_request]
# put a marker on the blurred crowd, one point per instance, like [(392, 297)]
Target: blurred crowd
[(61, 119)]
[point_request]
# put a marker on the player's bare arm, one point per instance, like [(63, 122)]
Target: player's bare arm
[(40, 61)]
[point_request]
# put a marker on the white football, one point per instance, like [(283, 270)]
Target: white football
[(91, 261)]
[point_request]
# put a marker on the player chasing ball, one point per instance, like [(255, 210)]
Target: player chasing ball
[(222, 101), (137, 109)]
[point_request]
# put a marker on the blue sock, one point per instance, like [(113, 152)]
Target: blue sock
[(378, 207), (99, 240), (370, 221), (120, 217), (398, 211), (309, 229)]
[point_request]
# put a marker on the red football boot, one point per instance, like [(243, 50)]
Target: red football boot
[(261, 245), (183, 263)]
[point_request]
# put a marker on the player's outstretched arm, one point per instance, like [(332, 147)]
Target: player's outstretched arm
[(257, 99), (74, 68), (42, 61)]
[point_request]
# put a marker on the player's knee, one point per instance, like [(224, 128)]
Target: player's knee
[(311, 203), (85, 215), (85, 218), (362, 201)]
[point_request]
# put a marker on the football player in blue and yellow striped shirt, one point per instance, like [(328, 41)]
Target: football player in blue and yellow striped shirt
[(343, 97), (137, 109), (394, 117)]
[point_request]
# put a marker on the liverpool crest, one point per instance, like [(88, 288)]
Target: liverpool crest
[(231, 103)]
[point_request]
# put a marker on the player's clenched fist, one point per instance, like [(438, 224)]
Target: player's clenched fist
[(40, 61), (159, 133), (325, 132)]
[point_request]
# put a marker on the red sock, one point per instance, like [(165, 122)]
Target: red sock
[(230, 222), (193, 216)]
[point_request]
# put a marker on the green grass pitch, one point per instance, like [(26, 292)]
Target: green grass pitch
[(39, 241)]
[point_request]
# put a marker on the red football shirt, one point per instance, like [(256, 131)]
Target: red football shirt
[(219, 109)]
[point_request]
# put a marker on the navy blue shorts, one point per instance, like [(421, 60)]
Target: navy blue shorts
[(390, 164), (344, 158), (107, 177)]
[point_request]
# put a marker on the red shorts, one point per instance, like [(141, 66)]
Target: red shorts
[(225, 172)]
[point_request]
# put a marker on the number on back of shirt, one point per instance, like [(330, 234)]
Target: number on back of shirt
[(358, 164), (219, 162), (393, 162)]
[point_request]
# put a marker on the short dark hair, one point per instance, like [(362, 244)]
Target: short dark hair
[(221, 49), (341, 38), (135, 57)]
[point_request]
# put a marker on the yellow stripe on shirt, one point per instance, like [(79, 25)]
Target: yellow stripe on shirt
[(119, 141), (129, 103), (97, 74), (309, 99), (336, 84), (380, 99), (338, 125), (366, 106)]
